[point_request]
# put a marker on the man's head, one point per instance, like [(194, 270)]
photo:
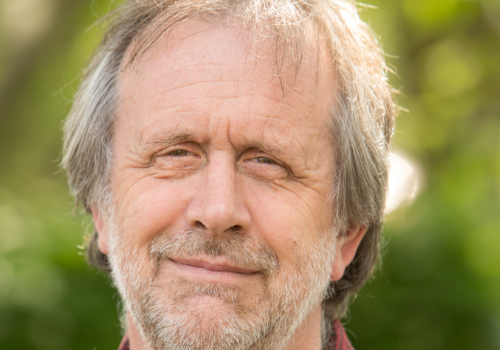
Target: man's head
[(234, 158)]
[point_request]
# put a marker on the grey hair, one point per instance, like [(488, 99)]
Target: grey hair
[(362, 117)]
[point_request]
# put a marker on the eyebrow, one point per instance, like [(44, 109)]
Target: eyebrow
[(274, 151), (169, 138)]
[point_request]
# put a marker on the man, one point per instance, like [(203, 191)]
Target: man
[(233, 155)]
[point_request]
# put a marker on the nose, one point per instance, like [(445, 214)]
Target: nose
[(218, 207)]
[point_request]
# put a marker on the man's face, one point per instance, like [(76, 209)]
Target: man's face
[(222, 226)]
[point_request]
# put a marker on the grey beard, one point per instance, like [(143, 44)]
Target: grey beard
[(165, 324)]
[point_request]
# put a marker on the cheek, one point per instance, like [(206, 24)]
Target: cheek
[(287, 223), (150, 207)]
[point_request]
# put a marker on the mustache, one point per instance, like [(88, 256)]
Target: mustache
[(237, 249)]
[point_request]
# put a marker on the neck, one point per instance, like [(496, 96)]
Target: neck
[(134, 336), (306, 337), (308, 334)]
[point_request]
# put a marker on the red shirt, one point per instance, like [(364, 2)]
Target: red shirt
[(338, 341)]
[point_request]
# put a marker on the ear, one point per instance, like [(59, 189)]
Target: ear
[(100, 226), (347, 245)]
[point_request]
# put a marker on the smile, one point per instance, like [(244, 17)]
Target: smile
[(220, 271)]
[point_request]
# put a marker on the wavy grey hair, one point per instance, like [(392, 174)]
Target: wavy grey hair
[(362, 117)]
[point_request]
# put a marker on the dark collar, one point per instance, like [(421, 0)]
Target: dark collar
[(339, 339)]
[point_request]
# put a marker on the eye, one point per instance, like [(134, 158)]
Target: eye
[(265, 160), (178, 153), (265, 168), (177, 161)]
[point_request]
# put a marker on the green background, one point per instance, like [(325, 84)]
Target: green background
[(439, 286)]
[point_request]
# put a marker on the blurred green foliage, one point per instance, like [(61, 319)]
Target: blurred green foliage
[(439, 287)]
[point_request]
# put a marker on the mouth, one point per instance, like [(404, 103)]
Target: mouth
[(219, 270)]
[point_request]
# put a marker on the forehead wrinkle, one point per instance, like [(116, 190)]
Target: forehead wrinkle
[(200, 83), (186, 83), (204, 67)]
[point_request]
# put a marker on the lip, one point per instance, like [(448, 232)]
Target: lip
[(223, 266)]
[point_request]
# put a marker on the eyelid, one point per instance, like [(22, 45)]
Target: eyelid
[(179, 150), (189, 147), (270, 157), (256, 153), (271, 160)]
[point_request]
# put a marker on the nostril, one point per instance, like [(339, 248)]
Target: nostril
[(199, 224), (236, 228)]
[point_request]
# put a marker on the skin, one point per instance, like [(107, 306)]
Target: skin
[(205, 139)]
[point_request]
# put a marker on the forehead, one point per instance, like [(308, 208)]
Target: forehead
[(202, 66), (203, 39)]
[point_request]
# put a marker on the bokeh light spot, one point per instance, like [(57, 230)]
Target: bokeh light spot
[(36, 16), (429, 12), (451, 69), (405, 181), (13, 229)]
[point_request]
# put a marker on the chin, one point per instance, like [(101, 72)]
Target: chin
[(197, 316), (212, 327)]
